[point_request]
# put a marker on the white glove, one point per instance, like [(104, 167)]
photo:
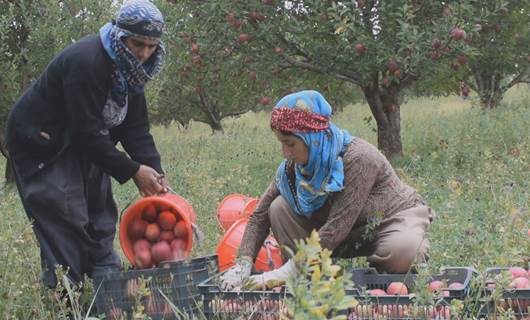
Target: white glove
[(272, 279), (236, 275)]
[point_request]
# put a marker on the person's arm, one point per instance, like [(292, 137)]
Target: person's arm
[(134, 134), (258, 227), (85, 93), (361, 169)]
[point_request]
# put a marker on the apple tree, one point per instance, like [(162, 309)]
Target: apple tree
[(381, 47), (211, 73), (502, 39)]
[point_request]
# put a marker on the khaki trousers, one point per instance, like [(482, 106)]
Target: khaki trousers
[(392, 245)]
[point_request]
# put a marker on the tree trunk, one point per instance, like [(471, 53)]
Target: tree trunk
[(489, 89), (8, 172), (211, 113), (386, 111)]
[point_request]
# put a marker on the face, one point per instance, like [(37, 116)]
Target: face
[(293, 148), (141, 48)]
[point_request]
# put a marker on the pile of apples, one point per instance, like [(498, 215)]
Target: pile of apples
[(399, 288), (519, 279), (157, 235), (399, 311)]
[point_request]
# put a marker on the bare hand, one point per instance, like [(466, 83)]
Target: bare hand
[(149, 182)]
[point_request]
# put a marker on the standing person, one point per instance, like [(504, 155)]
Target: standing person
[(341, 186), (62, 135)]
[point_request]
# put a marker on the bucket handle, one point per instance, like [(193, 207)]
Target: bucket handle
[(267, 245)]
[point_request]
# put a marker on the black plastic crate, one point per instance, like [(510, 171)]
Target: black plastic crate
[(175, 281), (406, 306), (507, 302), (222, 304)]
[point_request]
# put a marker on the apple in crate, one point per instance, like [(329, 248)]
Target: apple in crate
[(517, 272), (397, 288), (377, 292), (435, 286)]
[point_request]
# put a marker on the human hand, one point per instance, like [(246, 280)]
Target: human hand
[(148, 181), (236, 275), (271, 279)]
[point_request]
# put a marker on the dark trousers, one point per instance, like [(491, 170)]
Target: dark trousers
[(74, 216)]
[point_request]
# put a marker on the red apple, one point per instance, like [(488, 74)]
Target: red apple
[(278, 50), (235, 23), (265, 100), (195, 58), (517, 272), (359, 48), (456, 285), (462, 59), (253, 16), (152, 232), (436, 43), (435, 285), (520, 283), (178, 247), (252, 75), (167, 220), (243, 37), (149, 214), (194, 47), (137, 228), (458, 34), (392, 65), (167, 235), (435, 55), (397, 288), (180, 229), (178, 243), (161, 251), (141, 244), (143, 259), (377, 292)]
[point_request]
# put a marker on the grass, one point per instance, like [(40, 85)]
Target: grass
[(472, 167)]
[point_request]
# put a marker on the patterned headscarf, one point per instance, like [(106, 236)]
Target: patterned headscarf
[(138, 18), (306, 115)]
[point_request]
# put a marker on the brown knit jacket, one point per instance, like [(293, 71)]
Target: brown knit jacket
[(370, 186)]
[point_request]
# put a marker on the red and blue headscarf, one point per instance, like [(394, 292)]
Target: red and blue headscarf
[(306, 115), (138, 18)]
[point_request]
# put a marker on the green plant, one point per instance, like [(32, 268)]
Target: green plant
[(319, 287)]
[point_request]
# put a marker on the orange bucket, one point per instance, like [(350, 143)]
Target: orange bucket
[(269, 256), (172, 202), (234, 207)]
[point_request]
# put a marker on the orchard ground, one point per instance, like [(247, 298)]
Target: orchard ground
[(472, 167)]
